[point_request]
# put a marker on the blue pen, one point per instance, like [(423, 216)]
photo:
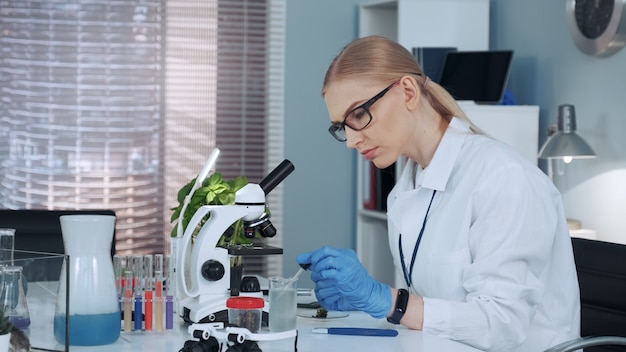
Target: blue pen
[(356, 331)]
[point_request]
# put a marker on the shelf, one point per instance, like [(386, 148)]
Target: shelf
[(379, 215), (379, 18)]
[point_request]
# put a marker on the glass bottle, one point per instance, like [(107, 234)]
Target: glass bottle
[(13, 297), (94, 312)]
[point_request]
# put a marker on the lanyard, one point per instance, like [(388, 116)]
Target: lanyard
[(409, 278)]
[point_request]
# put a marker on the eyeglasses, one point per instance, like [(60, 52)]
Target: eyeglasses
[(358, 118)]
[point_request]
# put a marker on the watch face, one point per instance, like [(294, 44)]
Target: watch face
[(593, 16)]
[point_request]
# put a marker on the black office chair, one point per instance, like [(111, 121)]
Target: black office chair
[(601, 268), (39, 231)]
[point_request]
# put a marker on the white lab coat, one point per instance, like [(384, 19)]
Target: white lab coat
[(495, 264)]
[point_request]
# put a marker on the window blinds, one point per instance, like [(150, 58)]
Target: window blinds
[(117, 104)]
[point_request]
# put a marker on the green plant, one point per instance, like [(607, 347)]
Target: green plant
[(213, 191), (5, 324)]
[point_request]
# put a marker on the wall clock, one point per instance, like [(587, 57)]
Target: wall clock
[(598, 27)]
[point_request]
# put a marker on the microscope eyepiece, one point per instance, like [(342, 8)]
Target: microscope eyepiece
[(276, 176)]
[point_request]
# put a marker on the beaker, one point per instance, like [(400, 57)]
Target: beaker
[(283, 308), (13, 297), (94, 312)]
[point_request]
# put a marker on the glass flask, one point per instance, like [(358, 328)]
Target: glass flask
[(13, 297), (94, 313)]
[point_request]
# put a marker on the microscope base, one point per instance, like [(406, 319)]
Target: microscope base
[(207, 311), (211, 311)]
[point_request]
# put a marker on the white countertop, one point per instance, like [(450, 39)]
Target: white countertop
[(407, 340), (172, 341)]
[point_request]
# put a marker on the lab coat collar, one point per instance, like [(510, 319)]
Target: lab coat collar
[(438, 173)]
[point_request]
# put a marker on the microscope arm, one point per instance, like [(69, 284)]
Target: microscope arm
[(220, 218)]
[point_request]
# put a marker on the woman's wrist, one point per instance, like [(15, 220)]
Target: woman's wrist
[(399, 306), (413, 317)]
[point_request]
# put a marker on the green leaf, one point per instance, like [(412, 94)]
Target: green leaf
[(215, 178), (220, 188), (196, 201), (183, 192), (202, 191), (209, 198), (227, 198), (176, 213), (238, 183)]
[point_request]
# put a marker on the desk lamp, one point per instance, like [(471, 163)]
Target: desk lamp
[(564, 143)]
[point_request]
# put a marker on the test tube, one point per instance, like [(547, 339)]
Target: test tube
[(169, 297), (173, 282), (129, 262), (128, 299), (158, 301), (138, 288), (148, 293)]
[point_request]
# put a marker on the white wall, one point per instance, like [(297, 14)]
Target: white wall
[(320, 195), (549, 70)]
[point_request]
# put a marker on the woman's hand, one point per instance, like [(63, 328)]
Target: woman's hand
[(342, 283)]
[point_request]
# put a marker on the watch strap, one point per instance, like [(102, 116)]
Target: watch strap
[(402, 300)]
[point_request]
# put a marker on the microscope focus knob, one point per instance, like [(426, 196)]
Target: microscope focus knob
[(212, 270)]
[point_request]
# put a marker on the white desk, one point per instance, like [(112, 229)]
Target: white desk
[(172, 341), (407, 340)]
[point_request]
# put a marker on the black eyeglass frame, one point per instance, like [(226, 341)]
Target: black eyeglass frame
[(340, 126)]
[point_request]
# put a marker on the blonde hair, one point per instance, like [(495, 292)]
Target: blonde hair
[(377, 58)]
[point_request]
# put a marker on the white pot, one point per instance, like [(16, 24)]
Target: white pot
[(4, 342)]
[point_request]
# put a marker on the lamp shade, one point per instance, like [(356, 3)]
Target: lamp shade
[(565, 143)]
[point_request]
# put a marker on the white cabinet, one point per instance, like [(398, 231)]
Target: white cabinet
[(515, 125), (463, 24)]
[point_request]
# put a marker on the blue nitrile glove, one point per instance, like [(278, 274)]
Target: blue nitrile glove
[(342, 283)]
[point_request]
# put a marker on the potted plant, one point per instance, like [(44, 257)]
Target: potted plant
[(214, 191), (5, 331)]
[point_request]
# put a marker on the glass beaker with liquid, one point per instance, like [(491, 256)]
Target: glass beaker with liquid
[(13, 297), (283, 304), (94, 312)]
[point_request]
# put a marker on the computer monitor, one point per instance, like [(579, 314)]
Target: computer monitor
[(431, 59), (479, 76)]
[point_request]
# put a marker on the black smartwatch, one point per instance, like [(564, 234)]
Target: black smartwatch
[(401, 302)]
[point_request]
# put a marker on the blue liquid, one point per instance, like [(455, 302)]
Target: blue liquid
[(89, 330), (20, 322), (137, 315)]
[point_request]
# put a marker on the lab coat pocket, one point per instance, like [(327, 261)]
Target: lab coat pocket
[(445, 274)]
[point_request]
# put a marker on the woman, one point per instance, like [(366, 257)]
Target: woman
[(477, 231)]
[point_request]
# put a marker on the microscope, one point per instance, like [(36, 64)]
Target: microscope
[(205, 279)]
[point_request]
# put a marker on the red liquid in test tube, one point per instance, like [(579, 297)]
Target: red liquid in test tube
[(148, 293), (158, 301)]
